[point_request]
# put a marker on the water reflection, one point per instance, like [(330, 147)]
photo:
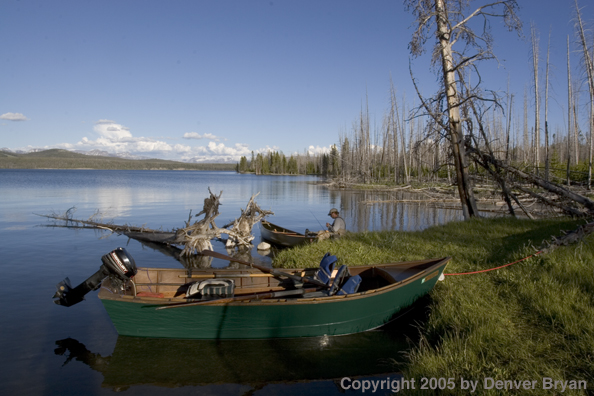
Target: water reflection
[(197, 261), (174, 363), (163, 199), (396, 211)]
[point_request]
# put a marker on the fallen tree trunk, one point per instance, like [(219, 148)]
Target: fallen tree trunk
[(194, 237), (67, 217), (539, 182), (569, 210)]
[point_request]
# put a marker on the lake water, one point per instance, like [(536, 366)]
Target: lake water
[(48, 349)]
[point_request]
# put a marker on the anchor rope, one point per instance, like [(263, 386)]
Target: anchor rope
[(496, 268)]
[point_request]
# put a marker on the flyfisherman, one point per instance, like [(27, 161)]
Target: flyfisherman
[(338, 226)]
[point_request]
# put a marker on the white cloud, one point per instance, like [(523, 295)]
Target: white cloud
[(118, 139), (266, 149), (111, 130), (13, 117), (220, 149), (195, 135), (318, 150)]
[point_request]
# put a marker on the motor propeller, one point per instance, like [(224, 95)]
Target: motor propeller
[(117, 264)]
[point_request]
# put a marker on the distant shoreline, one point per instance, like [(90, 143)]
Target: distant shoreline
[(64, 159), (118, 169)]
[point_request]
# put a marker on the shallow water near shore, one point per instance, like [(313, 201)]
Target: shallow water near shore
[(49, 349)]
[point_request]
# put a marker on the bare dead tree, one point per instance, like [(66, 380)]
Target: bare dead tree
[(588, 64), (534, 41), (569, 123), (396, 128), (510, 99), (546, 127), (403, 137), (527, 153), (448, 20)]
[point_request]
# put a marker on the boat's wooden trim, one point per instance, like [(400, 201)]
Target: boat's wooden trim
[(215, 275), (390, 273)]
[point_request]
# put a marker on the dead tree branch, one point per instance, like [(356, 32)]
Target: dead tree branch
[(570, 237), (540, 182)]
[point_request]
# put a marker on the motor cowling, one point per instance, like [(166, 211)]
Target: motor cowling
[(117, 264), (120, 263)]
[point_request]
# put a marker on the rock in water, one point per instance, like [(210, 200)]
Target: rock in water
[(263, 246)]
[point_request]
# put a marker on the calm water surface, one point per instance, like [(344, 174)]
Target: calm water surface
[(49, 349)]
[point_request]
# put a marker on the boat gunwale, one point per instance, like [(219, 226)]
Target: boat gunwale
[(281, 236), (439, 262), (283, 230)]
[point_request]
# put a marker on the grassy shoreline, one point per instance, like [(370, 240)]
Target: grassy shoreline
[(528, 321)]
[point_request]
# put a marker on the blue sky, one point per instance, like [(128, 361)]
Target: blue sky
[(218, 79)]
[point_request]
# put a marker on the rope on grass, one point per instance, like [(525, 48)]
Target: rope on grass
[(570, 237), (496, 268)]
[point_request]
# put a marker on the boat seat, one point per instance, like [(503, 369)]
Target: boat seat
[(350, 286), (341, 275), (343, 284), (324, 273)]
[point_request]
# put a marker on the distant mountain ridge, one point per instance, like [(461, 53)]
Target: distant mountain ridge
[(103, 153), (126, 155), (97, 159)]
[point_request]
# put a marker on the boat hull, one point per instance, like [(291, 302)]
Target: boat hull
[(281, 236), (335, 315)]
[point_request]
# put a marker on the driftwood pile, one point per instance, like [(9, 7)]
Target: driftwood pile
[(194, 237)]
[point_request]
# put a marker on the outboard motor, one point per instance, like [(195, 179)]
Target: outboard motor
[(117, 264)]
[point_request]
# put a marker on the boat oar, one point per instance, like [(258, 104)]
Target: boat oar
[(255, 296), (267, 270)]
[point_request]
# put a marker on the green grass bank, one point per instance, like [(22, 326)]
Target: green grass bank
[(528, 321)]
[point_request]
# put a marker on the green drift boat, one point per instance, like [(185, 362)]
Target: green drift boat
[(137, 309)]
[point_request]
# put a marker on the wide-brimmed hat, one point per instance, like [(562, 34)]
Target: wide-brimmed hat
[(333, 210)]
